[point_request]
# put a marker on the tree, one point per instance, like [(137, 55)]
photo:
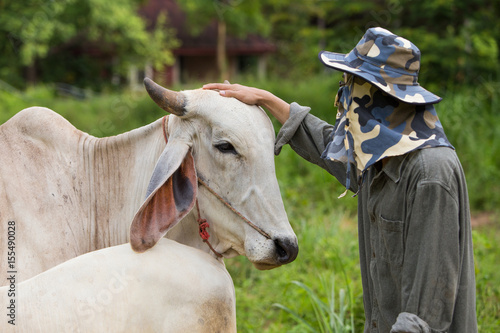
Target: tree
[(37, 31), (235, 17), (459, 39)]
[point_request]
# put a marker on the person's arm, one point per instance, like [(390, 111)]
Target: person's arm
[(254, 96)]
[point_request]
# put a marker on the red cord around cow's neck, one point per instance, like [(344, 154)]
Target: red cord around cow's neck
[(203, 225)]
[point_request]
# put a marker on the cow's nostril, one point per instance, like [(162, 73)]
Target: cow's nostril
[(286, 249), (281, 251)]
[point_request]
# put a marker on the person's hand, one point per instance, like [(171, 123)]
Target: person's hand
[(247, 95), (254, 96)]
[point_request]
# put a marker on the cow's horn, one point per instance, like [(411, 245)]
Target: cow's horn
[(170, 101)]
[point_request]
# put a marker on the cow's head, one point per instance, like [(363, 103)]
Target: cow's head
[(230, 146)]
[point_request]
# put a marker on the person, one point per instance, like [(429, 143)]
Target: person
[(389, 148)]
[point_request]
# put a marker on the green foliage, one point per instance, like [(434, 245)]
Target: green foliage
[(470, 118), (301, 29), (241, 17), (459, 39), (49, 36)]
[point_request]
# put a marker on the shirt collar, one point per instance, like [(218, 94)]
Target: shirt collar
[(393, 167)]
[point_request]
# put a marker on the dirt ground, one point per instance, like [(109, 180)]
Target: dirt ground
[(484, 219)]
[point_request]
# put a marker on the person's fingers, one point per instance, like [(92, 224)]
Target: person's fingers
[(210, 86), (225, 89), (244, 94), (220, 86), (230, 93)]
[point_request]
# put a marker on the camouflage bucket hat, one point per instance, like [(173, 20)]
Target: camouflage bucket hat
[(387, 61)]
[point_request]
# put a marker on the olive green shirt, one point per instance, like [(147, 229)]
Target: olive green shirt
[(415, 243)]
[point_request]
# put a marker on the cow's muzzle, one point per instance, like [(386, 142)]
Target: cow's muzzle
[(287, 250)]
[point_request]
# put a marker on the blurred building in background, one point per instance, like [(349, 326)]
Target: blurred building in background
[(195, 59)]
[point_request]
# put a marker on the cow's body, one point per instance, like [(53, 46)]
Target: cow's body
[(118, 290)]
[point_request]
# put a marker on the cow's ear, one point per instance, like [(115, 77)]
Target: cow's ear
[(170, 196)]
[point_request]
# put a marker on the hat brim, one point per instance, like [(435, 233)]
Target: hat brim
[(412, 94)]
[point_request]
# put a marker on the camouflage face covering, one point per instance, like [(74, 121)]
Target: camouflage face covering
[(372, 125)]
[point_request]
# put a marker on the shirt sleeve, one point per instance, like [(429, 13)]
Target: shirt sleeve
[(410, 323), (431, 260), (308, 136)]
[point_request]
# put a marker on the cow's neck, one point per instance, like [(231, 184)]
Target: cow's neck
[(119, 169)]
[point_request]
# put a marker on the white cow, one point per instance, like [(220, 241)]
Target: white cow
[(169, 288), (68, 193)]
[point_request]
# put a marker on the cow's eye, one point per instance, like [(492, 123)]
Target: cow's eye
[(226, 148)]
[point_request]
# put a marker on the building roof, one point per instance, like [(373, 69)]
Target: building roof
[(204, 43)]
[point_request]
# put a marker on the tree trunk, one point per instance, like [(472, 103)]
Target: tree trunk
[(31, 76), (221, 50)]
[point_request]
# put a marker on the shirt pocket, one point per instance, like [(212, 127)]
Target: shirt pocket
[(391, 247)]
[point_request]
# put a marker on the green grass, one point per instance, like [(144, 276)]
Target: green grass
[(256, 292), (330, 316), (486, 253), (327, 259), (327, 268)]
